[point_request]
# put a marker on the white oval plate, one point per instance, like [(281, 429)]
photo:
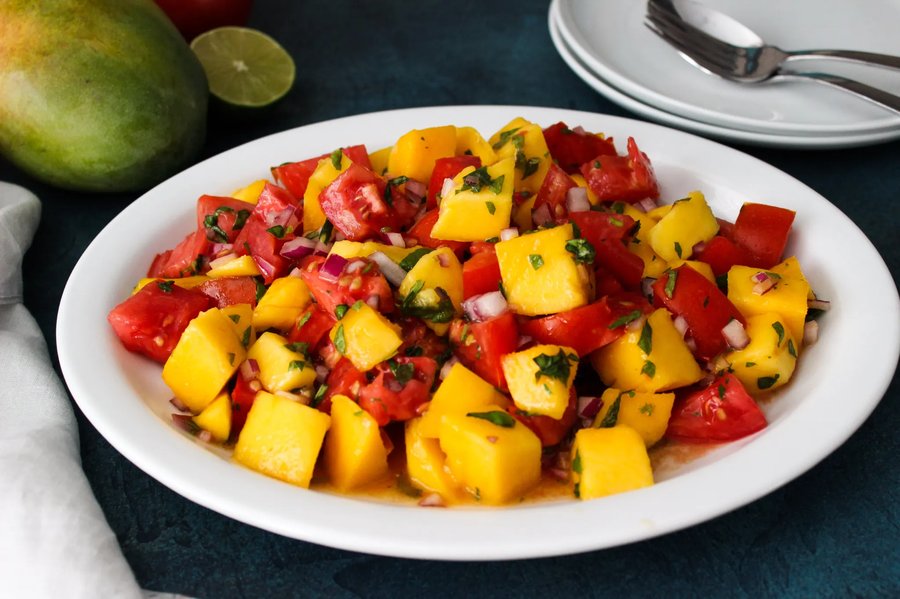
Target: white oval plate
[(773, 140), (123, 397), (611, 38)]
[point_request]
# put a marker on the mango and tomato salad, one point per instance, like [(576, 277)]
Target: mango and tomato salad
[(482, 312)]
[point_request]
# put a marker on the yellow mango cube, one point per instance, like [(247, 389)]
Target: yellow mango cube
[(379, 160), (652, 358), (365, 337), (425, 463), (433, 289), (205, 357), (495, 457), (646, 413), (524, 142), (540, 378), (354, 453), (216, 417), (606, 461), (540, 275), (183, 282), (242, 266), (284, 301), (769, 359), (326, 172), (581, 182), (281, 366), (470, 142), (241, 316), (702, 267), (479, 205), (250, 193), (788, 297), (414, 153), (282, 438), (654, 265), (461, 391), (688, 222)]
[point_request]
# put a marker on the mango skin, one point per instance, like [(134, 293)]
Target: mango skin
[(98, 95)]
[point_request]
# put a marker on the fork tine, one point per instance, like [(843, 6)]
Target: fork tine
[(670, 22), (690, 52)]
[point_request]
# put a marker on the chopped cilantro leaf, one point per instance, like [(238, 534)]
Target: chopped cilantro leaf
[(495, 417)]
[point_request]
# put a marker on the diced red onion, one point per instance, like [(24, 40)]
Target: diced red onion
[(763, 286), (698, 247), (579, 130), (589, 407), (415, 190), (432, 500), (249, 369), (293, 396), (321, 373), (810, 332), (390, 269), (394, 385), (339, 236), (179, 405), (647, 286), (295, 272), (447, 367), (485, 306), (221, 248), (759, 277), (681, 325), (443, 259), (636, 325), (524, 340), (322, 248), (560, 474), (577, 200), (510, 233), (279, 218), (223, 260), (447, 187), (354, 265), (205, 436), (646, 205), (817, 304), (541, 215), (255, 385), (297, 248), (373, 301), (735, 334), (332, 268), (691, 344), (395, 239), (265, 267)]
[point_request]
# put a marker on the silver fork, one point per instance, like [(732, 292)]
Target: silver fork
[(751, 63)]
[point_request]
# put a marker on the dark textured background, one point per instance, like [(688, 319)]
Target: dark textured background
[(831, 533)]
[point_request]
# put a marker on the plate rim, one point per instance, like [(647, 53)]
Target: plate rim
[(579, 44), (455, 534), (658, 115)]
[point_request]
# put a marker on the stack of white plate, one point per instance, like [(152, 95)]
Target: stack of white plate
[(606, 43)]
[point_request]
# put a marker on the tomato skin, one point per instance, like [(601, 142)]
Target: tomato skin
[(621, 178), (721, 253), (702, 305), (447, 168), (570, 148), (257, 239), (763, 231), (481, 274), (151, 321), (329, 295), (386, 399), (228, 291), (183, 260), (193, 17), (314, 327), (243, 395), (553, 192), (231, 211), (343, 379), (294, 176), (481, 345), (585, 328), (607, 233), (421, 232), (723, 411), (549, 430), (416, 334), (354, 203)]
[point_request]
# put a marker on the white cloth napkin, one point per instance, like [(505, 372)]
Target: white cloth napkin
[(54, 539)]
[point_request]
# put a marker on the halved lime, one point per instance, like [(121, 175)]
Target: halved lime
[(245, 67)]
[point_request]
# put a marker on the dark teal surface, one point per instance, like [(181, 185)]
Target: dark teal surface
[(831, 533)]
